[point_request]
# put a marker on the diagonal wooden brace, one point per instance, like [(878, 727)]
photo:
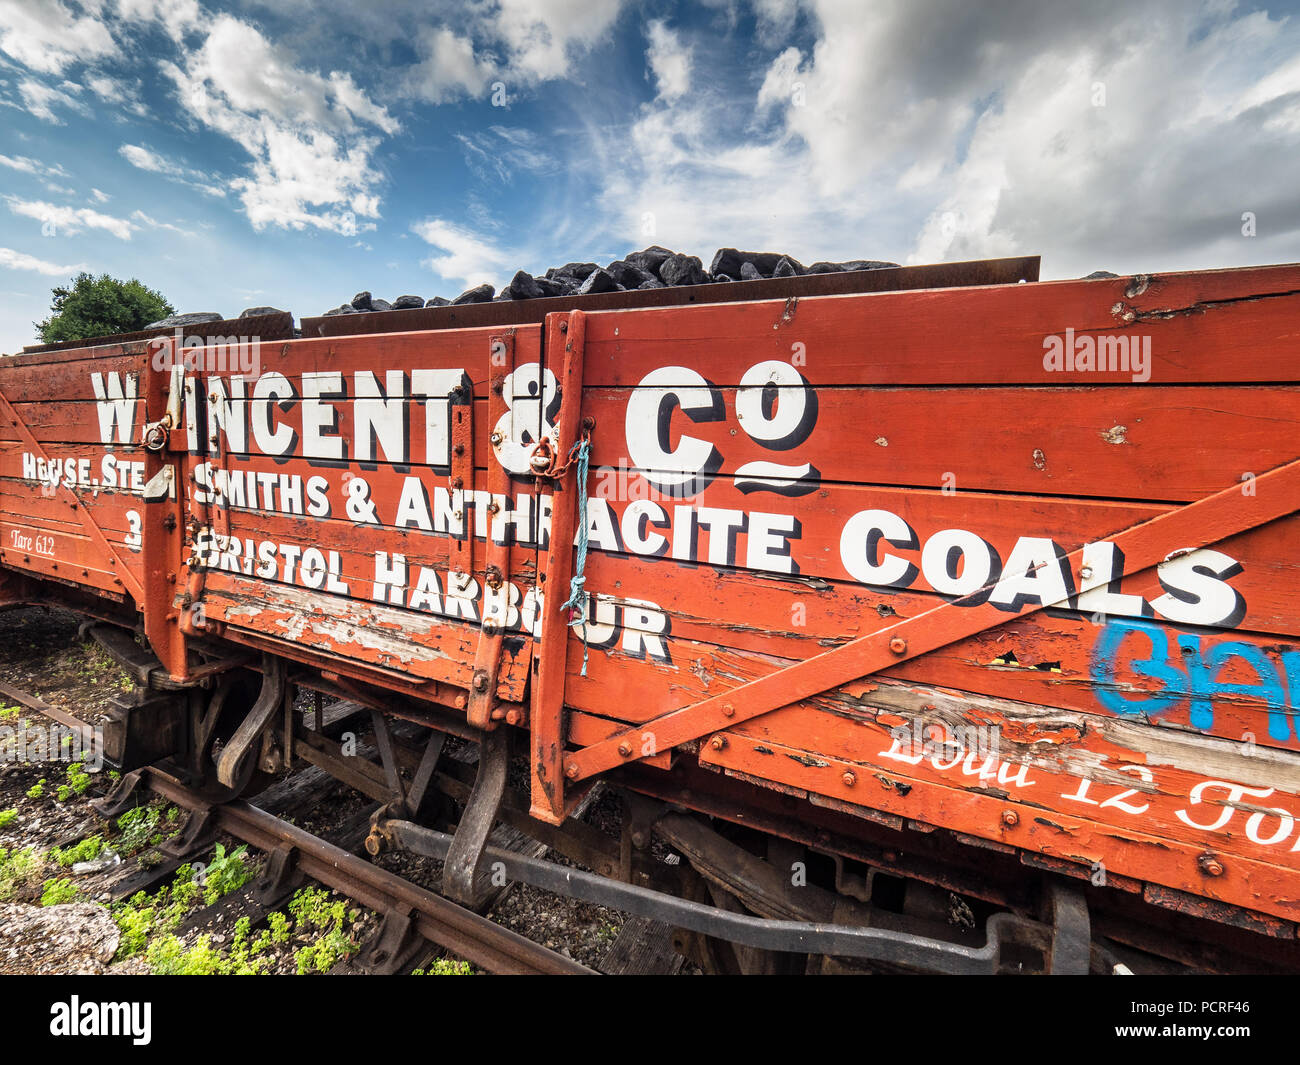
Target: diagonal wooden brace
[(1204, 522)]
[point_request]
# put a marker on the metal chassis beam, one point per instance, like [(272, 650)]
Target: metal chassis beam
[(796, 937)]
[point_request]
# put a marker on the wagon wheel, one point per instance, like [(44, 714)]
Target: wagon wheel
[(226, 709)]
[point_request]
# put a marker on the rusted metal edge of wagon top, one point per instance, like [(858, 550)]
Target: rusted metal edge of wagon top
[(1009, 271), (276, 327)]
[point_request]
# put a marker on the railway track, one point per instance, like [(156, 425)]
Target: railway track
[(407, 908), (414, 920)]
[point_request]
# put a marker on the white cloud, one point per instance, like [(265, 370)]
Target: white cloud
[(944, 130), (544, 37), (17, 260), (144, 159), (69, 221), (99, 197), (503, 151), (309, 135), (153, 223), (466, 257), (669, 61), (27, 165), (448, 67), (40, 101), (48, 37)]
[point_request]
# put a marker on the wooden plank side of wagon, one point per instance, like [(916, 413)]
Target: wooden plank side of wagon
[(348, 508), (71, 470), (1154, 691)]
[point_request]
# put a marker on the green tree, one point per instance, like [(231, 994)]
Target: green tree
[(100, 306)]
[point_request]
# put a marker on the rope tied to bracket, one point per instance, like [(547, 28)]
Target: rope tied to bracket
[(579, 598)]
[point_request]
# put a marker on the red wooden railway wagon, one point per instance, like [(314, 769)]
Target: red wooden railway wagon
[(932, 624)]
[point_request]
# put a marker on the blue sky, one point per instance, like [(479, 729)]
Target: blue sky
[(292, 153)]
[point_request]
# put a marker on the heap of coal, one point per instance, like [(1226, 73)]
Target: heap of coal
[(655, 267)]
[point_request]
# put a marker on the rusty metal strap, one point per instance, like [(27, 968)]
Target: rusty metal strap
[(1206, 521), (129, 580)]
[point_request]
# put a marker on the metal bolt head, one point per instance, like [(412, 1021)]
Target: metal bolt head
[(898, 645), (718, 743), (497, 438), (513, 717), (481, 680), (625, 749), (1210, 865), (849, 779), (1010, 818), (728, 710), (571, 770)]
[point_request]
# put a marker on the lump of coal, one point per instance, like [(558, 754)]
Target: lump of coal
[(380, 305), (579, 270), (361, 301), (682, 270), (522, 287), (478, 294), (653, 282), (650, 259), (551, 288), (403, 303), (749, 272), (257, 312), (788, 267), (195, 318), (729, 261), (1096, 274), (867, 264), (439, 301), (598, 281), (628, 274)]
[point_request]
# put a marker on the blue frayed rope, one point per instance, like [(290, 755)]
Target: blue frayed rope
[(578, 596)]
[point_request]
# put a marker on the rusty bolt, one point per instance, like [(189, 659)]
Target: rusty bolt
[(498, 385), (625, 749), (461, 702), (1010, 818), (493, 507), (497, 438), (1210, 865), (480, 680), (564, 327), (589, 423), (459, 482), (898, 645), (849, 779), (459, 449), (571, 770), (718, 743), (728, 710), (513, 717)]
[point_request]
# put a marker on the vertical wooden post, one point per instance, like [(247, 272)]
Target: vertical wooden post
[(163, 533), (564, 350)]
